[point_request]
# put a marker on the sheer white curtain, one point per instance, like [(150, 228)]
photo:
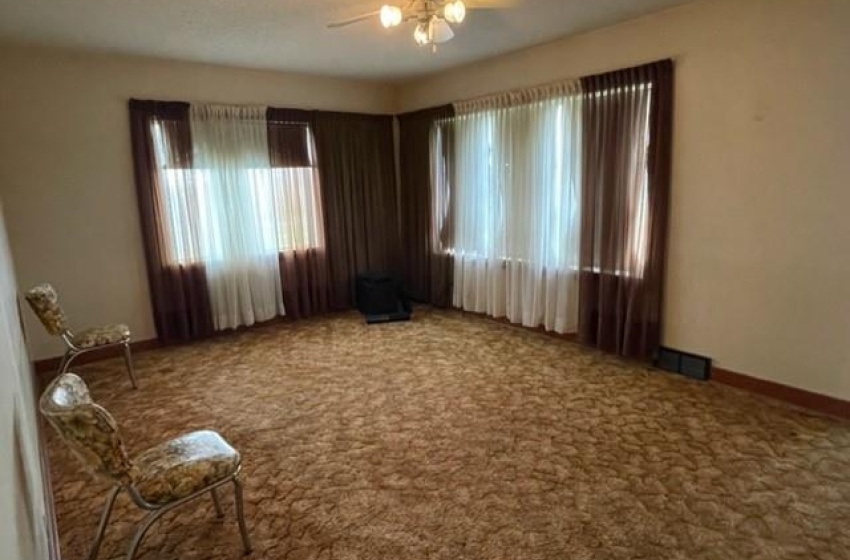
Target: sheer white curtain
[(237, 231), (517, 182)]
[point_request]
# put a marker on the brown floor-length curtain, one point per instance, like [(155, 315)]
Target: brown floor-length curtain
[(304, 280), (428, 270), (357, 176), (304, 272), (623, 235), (179, 293)]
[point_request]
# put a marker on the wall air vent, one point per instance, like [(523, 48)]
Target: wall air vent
[(691, 365)]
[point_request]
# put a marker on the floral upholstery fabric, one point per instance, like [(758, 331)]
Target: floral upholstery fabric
[(160, 475), (87, 428), (101, 336), (45, 303), (183, 466)]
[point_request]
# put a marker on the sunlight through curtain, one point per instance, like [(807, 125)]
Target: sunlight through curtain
[(239, 230), (517, 184), (626, 191)]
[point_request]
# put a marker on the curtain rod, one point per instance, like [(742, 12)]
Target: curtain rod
[(543, 85)]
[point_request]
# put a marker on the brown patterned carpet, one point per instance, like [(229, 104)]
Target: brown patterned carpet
[(455, 437)]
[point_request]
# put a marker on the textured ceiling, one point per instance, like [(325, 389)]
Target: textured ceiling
[(291, 34)]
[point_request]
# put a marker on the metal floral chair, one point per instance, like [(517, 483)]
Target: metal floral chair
[(158, 479), (45, 303)]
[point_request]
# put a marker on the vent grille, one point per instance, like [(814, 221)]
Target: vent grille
[(685, 363)]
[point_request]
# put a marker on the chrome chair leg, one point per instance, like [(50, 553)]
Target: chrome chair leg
[(128, 358), (218, 511), (62, 363), (66, 361), (240, 515), (104, 519), (142, 529)]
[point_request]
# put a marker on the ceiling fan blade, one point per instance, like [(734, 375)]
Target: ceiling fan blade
[(491, 4), (345, 22)]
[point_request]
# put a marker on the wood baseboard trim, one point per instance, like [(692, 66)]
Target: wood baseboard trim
[(48, 366), (799, 397)]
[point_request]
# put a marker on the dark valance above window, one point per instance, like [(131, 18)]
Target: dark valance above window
[(290, 141), (173, 117)]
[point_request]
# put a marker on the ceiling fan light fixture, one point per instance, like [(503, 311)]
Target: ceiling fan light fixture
[(433, 18), (455, 12), (440, 31), (391, 16), (420, 35)]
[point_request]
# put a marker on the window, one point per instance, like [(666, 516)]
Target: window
[(515, 183), (269, 205), (507, 184), (507, 208)]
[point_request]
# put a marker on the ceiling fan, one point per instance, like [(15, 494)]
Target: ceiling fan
[(432, 17)]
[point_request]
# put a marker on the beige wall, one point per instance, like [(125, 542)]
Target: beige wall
[(66, 175), (758, 270), (25, 529)]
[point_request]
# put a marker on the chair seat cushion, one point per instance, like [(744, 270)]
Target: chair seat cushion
[(184, 465), (101, 336)]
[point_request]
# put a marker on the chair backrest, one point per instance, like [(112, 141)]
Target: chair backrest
[(45, 303), (87, 428)]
